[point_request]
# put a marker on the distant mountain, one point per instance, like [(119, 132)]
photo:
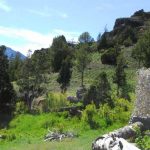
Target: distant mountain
[(12, 53)]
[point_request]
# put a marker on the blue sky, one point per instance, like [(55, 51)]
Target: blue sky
[(32, 24)]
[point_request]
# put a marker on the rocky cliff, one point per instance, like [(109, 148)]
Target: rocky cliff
[(142, 106), (128, 28)]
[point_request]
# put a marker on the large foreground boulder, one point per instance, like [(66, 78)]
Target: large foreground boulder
[(142, 106), (111, 143), (116, 140)]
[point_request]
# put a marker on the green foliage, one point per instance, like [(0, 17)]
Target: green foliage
[(65, 74), (120, 76), (20, 108), (99, 92), (7, 94), (33, 77), (41, 66), (141, 52), (122, 110), (102, 43), (29, 131), (40, 61), (82, 60), (119, 113), (15, 66), (58, 52), (85, 37), (90, 117), (142, 141), (105, 111), (55, 101)]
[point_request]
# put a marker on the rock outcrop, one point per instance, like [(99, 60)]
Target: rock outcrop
[(116, 140), (130, 28), (142, 106)]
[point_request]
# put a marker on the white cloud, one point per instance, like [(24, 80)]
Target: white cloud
[(31, 39), (4, 6), (40, 13), (48, 13)]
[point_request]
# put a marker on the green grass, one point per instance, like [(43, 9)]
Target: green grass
[(92, 71), (27, 132)]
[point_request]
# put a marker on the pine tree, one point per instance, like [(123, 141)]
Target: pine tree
[(15, 66), (120, 76), (99, 92), (82, 60), (65, 74), (58, 52), (7, 95), (141, 52)]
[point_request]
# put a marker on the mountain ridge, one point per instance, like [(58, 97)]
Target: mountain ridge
[(11, 54)]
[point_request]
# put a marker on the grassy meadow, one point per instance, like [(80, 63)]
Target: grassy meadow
[(26, 131)]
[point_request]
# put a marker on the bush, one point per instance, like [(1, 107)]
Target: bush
[(106, 112), (143, 142), (122, 110), (90, 116), (55, 101), (99, 92), (120, 113), (21, 108)]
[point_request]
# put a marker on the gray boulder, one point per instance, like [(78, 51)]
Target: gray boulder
[(116, 140)]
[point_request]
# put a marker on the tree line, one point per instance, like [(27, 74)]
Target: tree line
[(31, 73)]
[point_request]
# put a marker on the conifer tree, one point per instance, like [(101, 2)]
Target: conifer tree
[(65, 74), (82, 60), (7, 95), (120, 76), (99, 92)]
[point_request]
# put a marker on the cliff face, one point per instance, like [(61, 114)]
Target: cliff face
[(128, 28), (138, 19), (132, 22)]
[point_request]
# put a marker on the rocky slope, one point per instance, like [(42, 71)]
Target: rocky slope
[(128, 28)]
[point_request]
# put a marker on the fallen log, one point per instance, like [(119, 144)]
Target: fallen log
[(57, 136)]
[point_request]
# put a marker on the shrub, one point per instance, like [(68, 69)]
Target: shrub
[(21, 108), (120, 113), (99, 92), (143, 142), (106, 112), (122, 110), (90, 117), (55, 101)]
